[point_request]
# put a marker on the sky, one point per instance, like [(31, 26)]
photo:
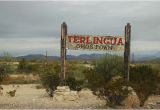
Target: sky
[(33, 27)]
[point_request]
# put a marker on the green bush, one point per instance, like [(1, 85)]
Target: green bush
[(50, 80), (144, 80), (49, 76), (109, 66), (28, 67), (75, 70), (74, 84), (7, 57), (75, 77), (104, 70), (4, 70), (22, 65), (106, 79), (116, 91)]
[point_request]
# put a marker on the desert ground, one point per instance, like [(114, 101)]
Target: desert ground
[(29, 97)]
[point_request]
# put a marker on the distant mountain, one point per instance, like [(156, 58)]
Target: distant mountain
[(147, 56), (37, 57), (137, 56), (90, 56), (69, 57), (31, 57)]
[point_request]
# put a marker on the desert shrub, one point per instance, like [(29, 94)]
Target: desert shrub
[(49, 76), (144, 80), (112, 91), (32, 68), (76, 71), (5, 69), (75, 77), (7, 57), (22, 65), (106, 79), (27, 67), (39, 86), (116, 91), (109, 66), (104, 70), (3, 72), (50, 80), (74, 84)]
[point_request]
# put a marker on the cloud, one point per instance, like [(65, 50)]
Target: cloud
[(35, 26)]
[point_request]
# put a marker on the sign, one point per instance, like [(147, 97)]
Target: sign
[(95, 43), (99, 43)]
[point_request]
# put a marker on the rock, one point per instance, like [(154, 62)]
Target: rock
[(63, 93), (59, 97), (70, 97), (63, 88), (132, 100), (73, 93), (85, 93)]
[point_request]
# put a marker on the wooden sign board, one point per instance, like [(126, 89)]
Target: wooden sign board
[(95, 43)]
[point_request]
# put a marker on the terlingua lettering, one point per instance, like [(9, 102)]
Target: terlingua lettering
[(109, 40)]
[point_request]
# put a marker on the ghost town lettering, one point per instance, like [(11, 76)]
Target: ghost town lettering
[(79, 42)]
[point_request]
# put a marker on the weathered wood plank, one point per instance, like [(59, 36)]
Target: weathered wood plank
[(63, 53), (127, 51)]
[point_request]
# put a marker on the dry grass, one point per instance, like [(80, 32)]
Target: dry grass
[(21, 79)]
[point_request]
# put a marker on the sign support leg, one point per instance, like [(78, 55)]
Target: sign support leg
[(127, 51), (63, 53)]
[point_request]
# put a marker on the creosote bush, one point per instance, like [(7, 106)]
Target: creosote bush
[(50, 78), (75, 77), (106, 79), (74, 84), (27, 67), (5, 69), (144, 80)]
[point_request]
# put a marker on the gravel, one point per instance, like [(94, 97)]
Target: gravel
[(28, 97)]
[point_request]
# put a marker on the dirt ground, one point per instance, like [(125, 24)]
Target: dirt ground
[(28, 97)]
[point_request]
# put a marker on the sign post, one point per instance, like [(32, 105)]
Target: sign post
[(95, 43), (63, 53), (127, 51)]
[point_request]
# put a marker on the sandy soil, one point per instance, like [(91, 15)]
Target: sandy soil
[(28, 97)]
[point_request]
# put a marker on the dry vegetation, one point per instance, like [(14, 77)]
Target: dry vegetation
[(104, 77)]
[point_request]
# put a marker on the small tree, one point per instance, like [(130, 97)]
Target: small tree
[(3, 72), (144, 80)]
